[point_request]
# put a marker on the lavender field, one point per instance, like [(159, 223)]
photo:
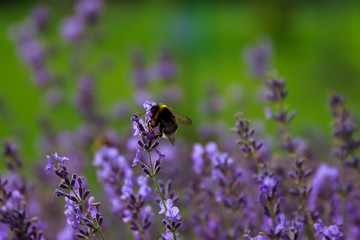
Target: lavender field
[(179, 120)]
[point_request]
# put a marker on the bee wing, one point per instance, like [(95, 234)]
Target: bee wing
[(182, 120), (171, 138)]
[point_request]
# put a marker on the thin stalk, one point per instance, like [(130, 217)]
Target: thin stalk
[(158, 189)]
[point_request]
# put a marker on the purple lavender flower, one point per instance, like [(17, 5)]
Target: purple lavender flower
[(50, 167), (137, 158), (85, 99), (261, 236), (171, 211), (115, 173), (148, 105), (141, 95), (127, 189), (268, 185), (65, 234), (112, 166), (144, 190), (4, 232), (258, 58), (333, 232), (89, 10), (168, 235), (81, 210), (72, 218), (137, 213), (166, 68), (221, 181), (60, 159), (149, 141), (197, 157), (72, 29), (32, 52), (345, 126), (141, 75), (246, 141), (13, 214), (39, 17), (324, 176)]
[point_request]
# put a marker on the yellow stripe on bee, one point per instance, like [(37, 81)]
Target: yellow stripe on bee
[(161, 107)]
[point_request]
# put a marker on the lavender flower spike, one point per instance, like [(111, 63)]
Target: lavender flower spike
[(148, 142), (82, 213)]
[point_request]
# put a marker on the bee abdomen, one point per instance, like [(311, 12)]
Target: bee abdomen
[(169, 130)]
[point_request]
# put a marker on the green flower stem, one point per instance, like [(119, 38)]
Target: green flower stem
[(158, 189), (98, 228)]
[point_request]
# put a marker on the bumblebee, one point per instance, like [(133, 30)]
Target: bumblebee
[(168, 121)]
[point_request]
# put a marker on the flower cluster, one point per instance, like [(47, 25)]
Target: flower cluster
[(258, 58), (82, 212), (27, 37), (137, 213), (87, 13), (332, 232), (221, 183), (148, 142), (249, 145), (14, 216), (344, 129)]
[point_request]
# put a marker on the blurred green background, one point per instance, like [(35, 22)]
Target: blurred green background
[(315, 43)]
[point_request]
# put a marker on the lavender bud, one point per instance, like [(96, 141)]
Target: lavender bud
[(67, 181), (168, 226), (177, 225), (140, 143), (89, 224), (79, 181), (146, 171), (86, 193), (101, 219), (157, 170), (64, 186), (266, 211), (73, 180), (157, 163), (81, 192), (79, 235), (154, 145), (169, 186), (132, 198), (59, 193), (134, 226), (59, 174), (72, 198), (147, 225)]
